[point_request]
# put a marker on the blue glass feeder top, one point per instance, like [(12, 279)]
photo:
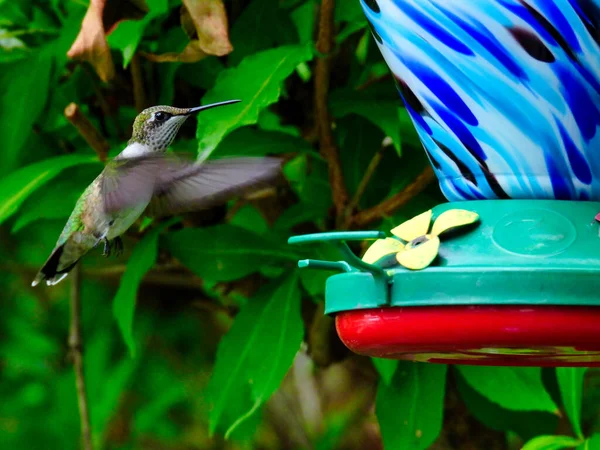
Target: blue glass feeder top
[(505, 94)]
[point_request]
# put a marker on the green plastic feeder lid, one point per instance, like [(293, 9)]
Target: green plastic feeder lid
[(521, 252)]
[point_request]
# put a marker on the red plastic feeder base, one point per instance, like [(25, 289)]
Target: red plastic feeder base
[(476, 335)]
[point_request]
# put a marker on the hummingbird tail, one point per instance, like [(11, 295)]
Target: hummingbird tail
[(50, 272)]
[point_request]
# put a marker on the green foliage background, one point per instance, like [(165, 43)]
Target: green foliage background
[(214, 339)]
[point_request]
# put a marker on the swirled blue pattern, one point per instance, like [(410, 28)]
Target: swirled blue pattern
[(505, 94)]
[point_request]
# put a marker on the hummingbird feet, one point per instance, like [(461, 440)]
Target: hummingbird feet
[(108, 246), (118, 243)]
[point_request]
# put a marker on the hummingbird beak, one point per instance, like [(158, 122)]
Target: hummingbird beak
[(212, 105)]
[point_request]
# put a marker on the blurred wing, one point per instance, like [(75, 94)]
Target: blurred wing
[(129, 182), (210, 183)]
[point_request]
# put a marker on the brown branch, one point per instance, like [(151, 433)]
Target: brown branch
[(390, 205), (137, 76), (87, 130), (362, 186), (326, 141), (75, 346)]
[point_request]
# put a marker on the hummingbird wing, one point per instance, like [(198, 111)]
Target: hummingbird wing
[(199, 186), (173, 186), (128, 182)]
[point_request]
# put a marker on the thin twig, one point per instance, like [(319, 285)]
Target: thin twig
[(87, 130), (327, 143), (371, 81), (137, 77), (390, 205), (76, 348), (104, 106), (362, 186)]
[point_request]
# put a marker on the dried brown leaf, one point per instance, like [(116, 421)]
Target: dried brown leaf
[(210, 20), (190, 54), (99, 20)]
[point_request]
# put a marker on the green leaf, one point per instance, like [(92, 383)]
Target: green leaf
[(527, 424), (21, 105), (16, 187), (551, 443), (141, 261), (257, 81), (382, 112), (410, 409), (128, 34), (251, 142), (515, 388), (255, 354), (225, 252), (386, 368), (570, 382)]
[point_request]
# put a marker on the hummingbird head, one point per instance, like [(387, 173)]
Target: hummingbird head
[(156, 127)]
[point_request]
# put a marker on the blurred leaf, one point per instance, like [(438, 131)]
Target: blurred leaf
[(304, 19), (152, 413), (255, 354), (382, 112), (386, 368), (249, 34), (257, 82), (359, 140), (128, 34), (167, 74), (21, 105), (410, 409), (103, 395), (201, 74), (551, 443), (251, 142), (298, 214), (140, 262), (351, 14), (527, 424), (91, 44), (225, 252), (314, 281), (249, 217), (592, 443), (56, 200), (270, 121), (526, 387), (309, 179), (210, 20), (570, 381), (16, 187)]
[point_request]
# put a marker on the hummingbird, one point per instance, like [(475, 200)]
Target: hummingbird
[(145, 178)]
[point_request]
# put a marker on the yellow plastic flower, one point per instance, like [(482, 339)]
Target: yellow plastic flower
[(421, 247)]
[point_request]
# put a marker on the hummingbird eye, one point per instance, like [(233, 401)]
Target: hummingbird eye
[(161, 116)]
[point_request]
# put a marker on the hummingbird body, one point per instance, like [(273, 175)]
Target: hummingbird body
[(144, 178)]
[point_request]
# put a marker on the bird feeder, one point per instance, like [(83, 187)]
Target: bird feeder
[(505, 97)]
